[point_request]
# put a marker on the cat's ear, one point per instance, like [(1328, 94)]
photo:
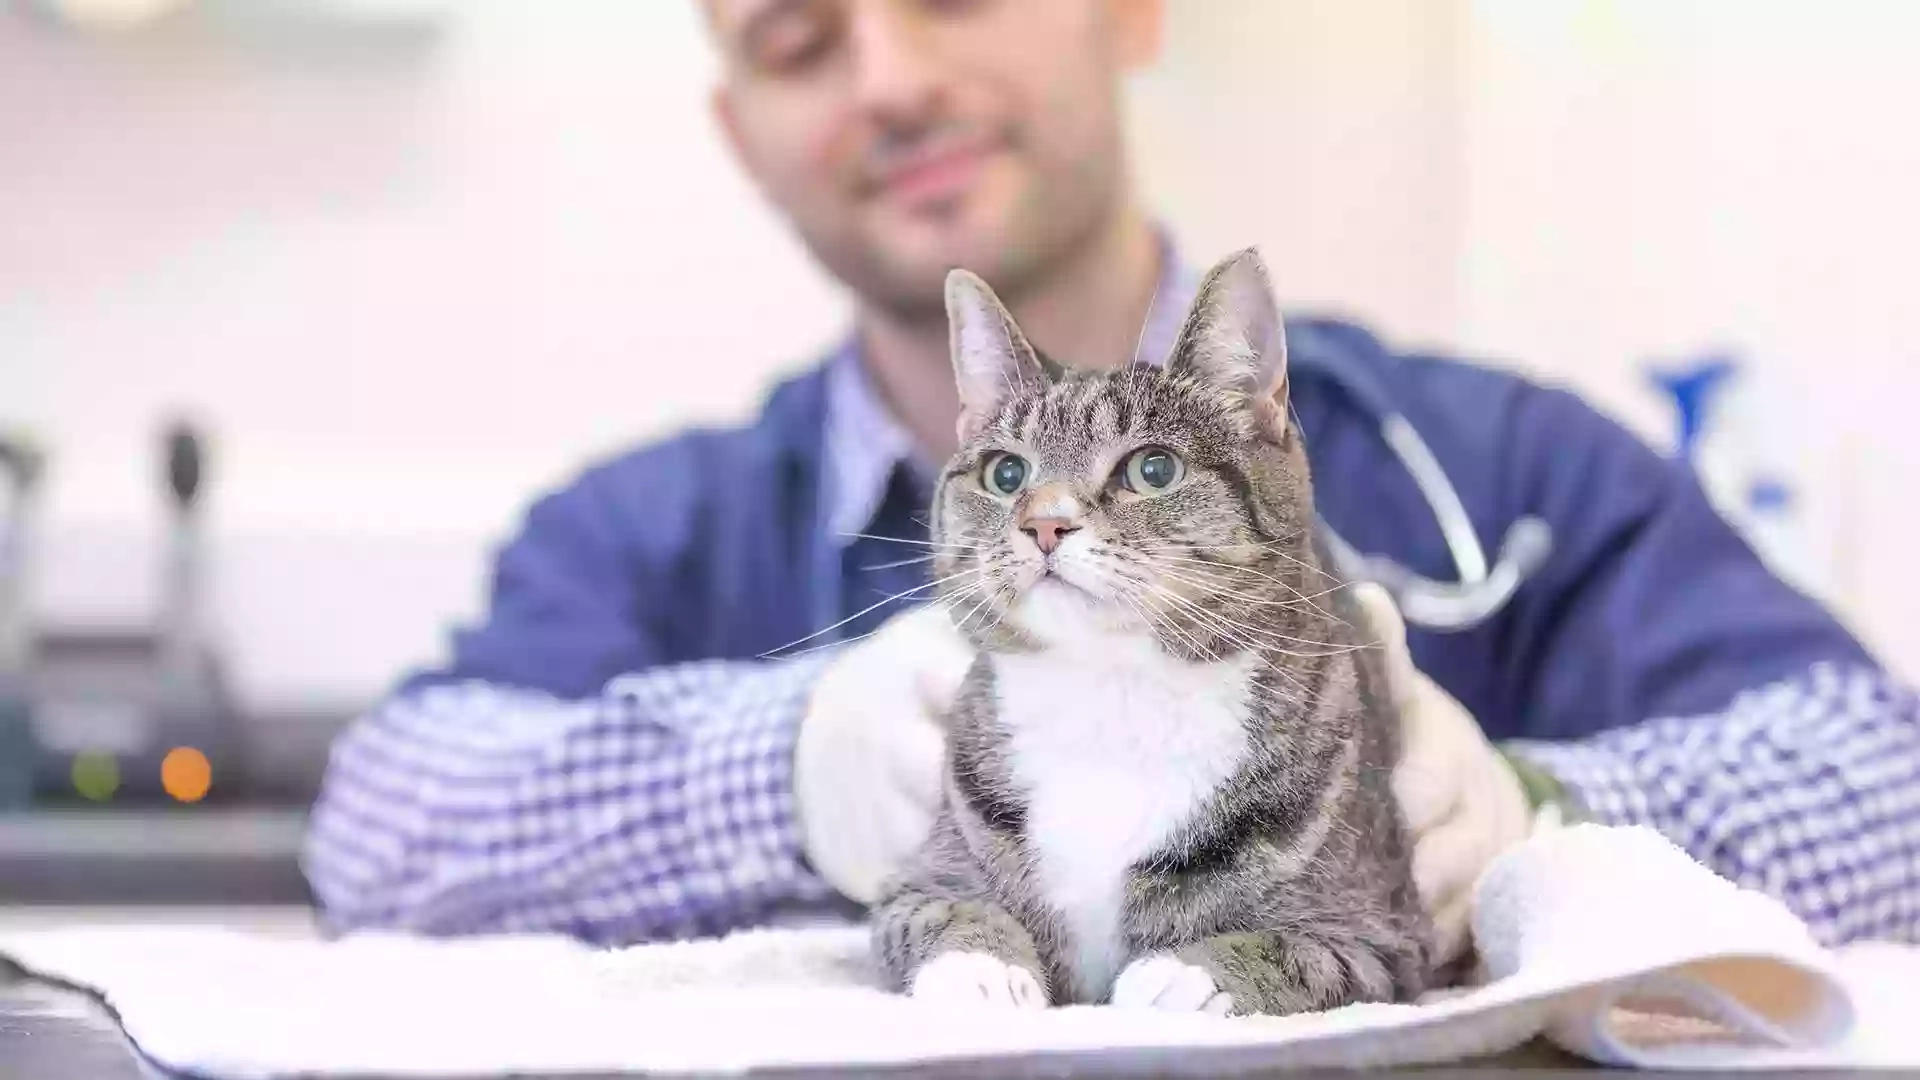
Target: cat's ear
[(991, 357), (1234, 339)]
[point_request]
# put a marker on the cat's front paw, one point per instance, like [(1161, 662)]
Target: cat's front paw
[(1170, 985), (977, 978)]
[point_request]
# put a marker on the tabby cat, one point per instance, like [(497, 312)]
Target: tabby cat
[(1167, 775)]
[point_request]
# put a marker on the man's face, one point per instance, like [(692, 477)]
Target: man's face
[(906, 137)]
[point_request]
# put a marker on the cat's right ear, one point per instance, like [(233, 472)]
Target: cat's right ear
[(1234, 340), (992, 360)]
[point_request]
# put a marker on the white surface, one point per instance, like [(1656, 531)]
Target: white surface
[(1573, 922)]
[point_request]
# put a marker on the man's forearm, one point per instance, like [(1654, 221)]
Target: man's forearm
[(1808, 789), (661, 808)]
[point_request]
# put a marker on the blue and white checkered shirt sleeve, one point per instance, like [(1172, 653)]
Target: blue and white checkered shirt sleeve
[(1808, 789), (662, 808)]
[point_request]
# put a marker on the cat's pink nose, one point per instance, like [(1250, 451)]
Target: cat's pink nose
[(1047, 533)]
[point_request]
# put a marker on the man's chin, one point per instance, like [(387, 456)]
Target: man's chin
[(915, 252)]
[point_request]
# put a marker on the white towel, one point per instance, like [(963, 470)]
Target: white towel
[(1611, 942)]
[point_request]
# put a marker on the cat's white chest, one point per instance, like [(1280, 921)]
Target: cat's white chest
[(1115, 748)]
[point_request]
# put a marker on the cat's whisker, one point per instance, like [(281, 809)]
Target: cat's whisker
[(1130, 592), (946, 602), (1305, 565), (979, 605), (1126, 599), (1332, 649), (1183, 554), (1212, 589), (1215, 589), (772, 653), (952, 600), (982, 602), (838, 642), (1172, 625), (1254, 545), (946, 545), (1288, 689), (1001, 615), (1146, 320), (1251, 557), (897, 563), (1168, 624), (1255, 688), (1299, 597), (1211, 565), (824, 646), (1270, 548), (1257, 632)]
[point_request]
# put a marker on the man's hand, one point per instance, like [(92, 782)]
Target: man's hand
[(872, 745), (1463, 802)]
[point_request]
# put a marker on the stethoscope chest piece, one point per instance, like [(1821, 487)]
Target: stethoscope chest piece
[(1481, 591)]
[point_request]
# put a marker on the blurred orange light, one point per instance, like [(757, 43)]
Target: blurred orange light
[(186, 774)]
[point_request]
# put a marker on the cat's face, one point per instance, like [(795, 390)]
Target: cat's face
[(1149, 500)]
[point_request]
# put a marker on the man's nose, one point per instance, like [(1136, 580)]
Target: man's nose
[(1046, 533), (897, 69)]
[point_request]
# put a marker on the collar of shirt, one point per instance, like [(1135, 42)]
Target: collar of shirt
[(866, 445)]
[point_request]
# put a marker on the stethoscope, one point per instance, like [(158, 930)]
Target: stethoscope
[(1481, 590)]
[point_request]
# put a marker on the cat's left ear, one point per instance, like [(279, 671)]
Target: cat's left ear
[(1235, 340), (992, 360)]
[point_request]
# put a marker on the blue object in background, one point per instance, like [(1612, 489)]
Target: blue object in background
[(1694, 389), (1769, 496), (1697, 389)]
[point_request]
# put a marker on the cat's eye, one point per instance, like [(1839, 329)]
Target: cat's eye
[(1004, 474), (1152, 469)]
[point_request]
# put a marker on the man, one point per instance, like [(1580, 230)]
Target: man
[(609, 756)]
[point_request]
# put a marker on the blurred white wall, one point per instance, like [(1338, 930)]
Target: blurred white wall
[(405, 290), (408, 291), (1325, 131), (1656, 178)]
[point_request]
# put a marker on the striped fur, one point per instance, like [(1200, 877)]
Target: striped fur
[(1177, 697)]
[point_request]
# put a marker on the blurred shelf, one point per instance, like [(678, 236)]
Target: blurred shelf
[(122, 16), (270, 921), (281, 761), (172, 858), (303, 33), (284, 754)]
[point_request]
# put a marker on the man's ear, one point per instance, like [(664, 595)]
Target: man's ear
[(1235, 341), (992, 360), (724, 117)]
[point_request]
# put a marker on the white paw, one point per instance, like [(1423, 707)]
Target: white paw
[(976, 978), (1162, 982)]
